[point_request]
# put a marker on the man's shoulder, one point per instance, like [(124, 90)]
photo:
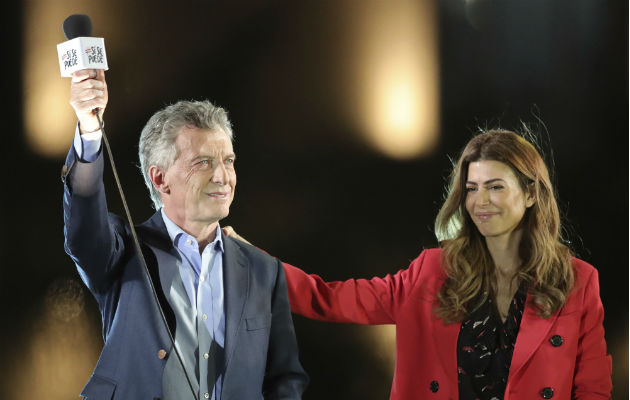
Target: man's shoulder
[(252, 253)]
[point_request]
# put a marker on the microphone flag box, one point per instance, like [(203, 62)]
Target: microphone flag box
[(81, 53)]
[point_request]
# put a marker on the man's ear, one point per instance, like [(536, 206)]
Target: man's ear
[(158, 178)]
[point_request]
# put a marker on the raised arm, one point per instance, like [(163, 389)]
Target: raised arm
[(91, 238)]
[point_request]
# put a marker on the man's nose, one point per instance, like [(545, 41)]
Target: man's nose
[(219, 175)]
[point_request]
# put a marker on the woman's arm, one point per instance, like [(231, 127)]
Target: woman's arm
[(361, 301)]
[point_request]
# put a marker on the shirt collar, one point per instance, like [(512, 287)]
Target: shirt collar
[(174, 232)]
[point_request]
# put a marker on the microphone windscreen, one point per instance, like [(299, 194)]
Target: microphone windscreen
[(77, 25)]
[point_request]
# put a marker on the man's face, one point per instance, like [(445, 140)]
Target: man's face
[(201, 181)]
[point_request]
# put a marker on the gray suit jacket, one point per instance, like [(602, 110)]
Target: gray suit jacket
[(261, 354)]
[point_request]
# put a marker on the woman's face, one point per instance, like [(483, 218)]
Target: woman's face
[(494, 198)]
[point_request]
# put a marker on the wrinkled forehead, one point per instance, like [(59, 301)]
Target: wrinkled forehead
[(191, 142)]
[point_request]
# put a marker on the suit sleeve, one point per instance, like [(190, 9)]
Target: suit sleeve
[(593, 366), (92, 238), (361, 301), (284, 377)]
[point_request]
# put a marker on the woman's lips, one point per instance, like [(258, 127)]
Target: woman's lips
[(484, 216)]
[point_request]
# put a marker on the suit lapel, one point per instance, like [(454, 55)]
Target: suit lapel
[(531, 334), (153, 232), (236, 289), (155, 235), (162, 261)]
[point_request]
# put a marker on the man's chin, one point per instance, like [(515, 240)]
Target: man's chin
[(216, 215)]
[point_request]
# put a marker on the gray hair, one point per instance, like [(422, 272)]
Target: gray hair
[(157, 140)]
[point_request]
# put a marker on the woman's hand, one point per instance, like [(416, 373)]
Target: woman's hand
[(229, 231)]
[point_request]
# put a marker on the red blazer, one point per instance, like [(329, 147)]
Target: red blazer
[(426, 357)]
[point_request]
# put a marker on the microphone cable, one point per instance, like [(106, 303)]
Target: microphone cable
[(139, 251)]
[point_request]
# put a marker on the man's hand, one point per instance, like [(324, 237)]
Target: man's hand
[(88, 91)]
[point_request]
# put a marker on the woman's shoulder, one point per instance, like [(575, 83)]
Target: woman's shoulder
[(582, 268), (429, 260), (425, 269), (431, 253), (584, 272)]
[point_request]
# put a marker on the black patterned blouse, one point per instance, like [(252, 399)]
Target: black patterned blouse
[(485, 347)]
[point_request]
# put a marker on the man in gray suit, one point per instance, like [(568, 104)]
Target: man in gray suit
[(225, 301)]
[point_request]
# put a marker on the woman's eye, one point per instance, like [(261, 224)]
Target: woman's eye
[(471, 189), (496, 187)]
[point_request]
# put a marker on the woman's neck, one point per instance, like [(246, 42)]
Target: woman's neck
[(504, 252)]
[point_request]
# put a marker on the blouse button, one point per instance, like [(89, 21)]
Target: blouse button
[(556, 340), (435, 386), (546, 393)]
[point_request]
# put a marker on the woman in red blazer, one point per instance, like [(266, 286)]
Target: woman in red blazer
[(560, 357), (502, 310)]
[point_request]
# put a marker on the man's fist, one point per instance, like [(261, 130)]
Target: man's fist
[(88, 91)]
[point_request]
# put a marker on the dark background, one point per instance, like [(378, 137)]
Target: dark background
[(309, 191)]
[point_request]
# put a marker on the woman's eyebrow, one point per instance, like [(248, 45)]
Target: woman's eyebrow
[(488, 182)]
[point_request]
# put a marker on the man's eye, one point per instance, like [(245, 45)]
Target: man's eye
[(229, 161), (204, 162)]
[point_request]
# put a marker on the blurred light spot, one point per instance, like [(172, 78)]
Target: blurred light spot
[(381, 339), (619, 350), (397, 76), (65, 299), (400, 113), (60, 349)]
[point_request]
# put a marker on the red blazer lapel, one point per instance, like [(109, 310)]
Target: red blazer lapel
[(531, 334)]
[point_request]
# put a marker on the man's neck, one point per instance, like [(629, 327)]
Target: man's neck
[(203, 232), (205, 235)]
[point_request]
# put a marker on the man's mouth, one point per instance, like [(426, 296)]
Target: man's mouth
[(219, 195)]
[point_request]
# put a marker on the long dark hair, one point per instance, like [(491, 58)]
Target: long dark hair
[(547, 266)]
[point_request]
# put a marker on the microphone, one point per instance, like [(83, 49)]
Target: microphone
[(77, 28), (81, 50), (77, 25)]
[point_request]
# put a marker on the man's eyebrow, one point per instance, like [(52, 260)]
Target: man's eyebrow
[(199, 157), (488, 182), (210, 157)]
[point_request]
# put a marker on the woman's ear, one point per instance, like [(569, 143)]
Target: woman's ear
[(530, 199)]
